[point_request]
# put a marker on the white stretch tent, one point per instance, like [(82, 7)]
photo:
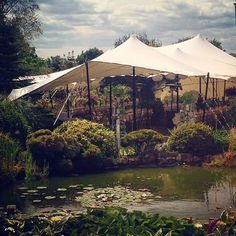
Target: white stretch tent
[(204, 56), (186, 58)]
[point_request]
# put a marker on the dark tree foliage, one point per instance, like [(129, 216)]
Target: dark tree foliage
[(143, 37), (9, 56), (18, 24), (88, 55), (22, 14)]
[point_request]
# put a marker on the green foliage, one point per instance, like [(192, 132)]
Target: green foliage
[(37, 116), (8, 154), (115, 221), (88, 55), (80, 141), (221, 139), (143, 140), (46, 146), (189, 97), (86, 133), (195, 138), (232, 140), (13, 121)]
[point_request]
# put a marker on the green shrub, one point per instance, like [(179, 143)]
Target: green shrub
[(37, 116), (8, 154), (46, 146), (221, 139), (195, 138), (87, 133), (13, 121), (143, 140), (232, 140), (80, 141)]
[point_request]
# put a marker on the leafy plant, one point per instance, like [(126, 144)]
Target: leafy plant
[(195, 138), (221, 139), (13, 121), (143, 141), (8, 154)]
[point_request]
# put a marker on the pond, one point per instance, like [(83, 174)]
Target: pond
[(180, 191)]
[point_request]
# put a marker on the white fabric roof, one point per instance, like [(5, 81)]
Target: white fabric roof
[(203, 55), (194, 57)]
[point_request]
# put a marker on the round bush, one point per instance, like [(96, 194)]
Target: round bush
[(143, 140), (87, 133), (195, 138)]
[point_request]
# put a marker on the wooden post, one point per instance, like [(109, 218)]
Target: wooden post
[(68, 101), (200, 85), (171, 99), (224, 89), (206, 91), (216, 88), (177, 93), (134, 100), (88, 92), (110, 104), (213, 88)]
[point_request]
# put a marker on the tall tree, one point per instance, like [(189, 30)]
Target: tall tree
[(22, 14), (18, 25), (88, 55), (143, 37)]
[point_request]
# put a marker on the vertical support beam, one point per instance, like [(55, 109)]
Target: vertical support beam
[(213, 88), (68, 101), (171, 99), (134, 100), (216, 88), (204, 108), (200, 85), (224, 89), (177, 93), (110, 104), (88, 92)]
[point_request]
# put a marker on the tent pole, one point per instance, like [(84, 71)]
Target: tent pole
[(204, 108), (110, 102), (88, 91), (134, 100), (224, 89), (216, 88), (177, 95), (200, 85), (68, 102), (213, 87)]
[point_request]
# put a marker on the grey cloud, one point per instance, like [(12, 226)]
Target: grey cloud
[(78, 23)]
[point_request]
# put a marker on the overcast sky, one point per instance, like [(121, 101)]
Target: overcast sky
[(81, 24)]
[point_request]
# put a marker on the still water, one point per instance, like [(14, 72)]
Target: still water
[(189, 191)]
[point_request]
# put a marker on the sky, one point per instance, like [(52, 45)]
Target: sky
[(82, 24)]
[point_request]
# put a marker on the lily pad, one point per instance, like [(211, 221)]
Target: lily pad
[(42, 187), (73, 186), (61, 190), (37, 201), (62, 197), (89, 188), (32, 191), (50, 197), (22, 188)]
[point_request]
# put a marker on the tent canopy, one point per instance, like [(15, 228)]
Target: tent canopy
[(203, 55), (194, 57)]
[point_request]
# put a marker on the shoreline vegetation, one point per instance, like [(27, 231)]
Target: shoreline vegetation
[(111, 221)]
